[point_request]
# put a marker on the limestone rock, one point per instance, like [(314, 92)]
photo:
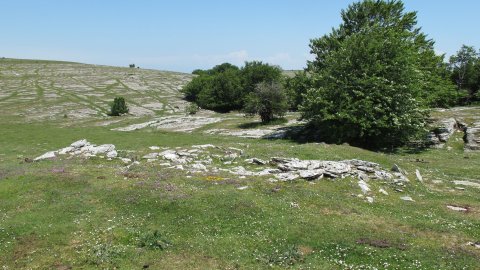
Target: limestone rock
[(467, 183), (256, 161), (443, 130), (288, 176), (311, 174), (48, 155), (472, 138), (199, 167), (457, 208), (419, 176), (79, 144), (364, 186), (407, 199), (150, 156), (383, 191)]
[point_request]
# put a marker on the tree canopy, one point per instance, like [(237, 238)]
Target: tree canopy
[(372, 75)]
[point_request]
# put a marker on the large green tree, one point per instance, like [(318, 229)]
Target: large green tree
[(371, 76), (296, 87)]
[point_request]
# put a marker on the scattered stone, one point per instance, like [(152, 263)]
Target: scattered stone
[(48, 155), (199, 167), (370, 199), (230, 157), (150, 156), (460, 188), (126, 160), (467, 183), (289, 176), (397, 169), (474, 244), (457, 208), (204, 146), (383, 191), (437, 182), (256, 161), (178, 167), (236, 149), (294, 205), (407, 199), (242, 188), (364, 186), (154, 148), (419, 176)]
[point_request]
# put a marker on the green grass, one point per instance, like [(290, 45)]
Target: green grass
[(91, 215)]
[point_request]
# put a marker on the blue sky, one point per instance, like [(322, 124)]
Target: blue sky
[(183, 35)]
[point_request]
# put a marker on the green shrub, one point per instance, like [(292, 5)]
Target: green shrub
[(119, 107), (192, 109), (153, 240), (268, 100)]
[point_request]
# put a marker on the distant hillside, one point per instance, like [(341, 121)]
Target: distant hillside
[(37, 90)]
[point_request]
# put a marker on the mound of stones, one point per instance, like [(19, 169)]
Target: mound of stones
[(290, 169), (82, 148)]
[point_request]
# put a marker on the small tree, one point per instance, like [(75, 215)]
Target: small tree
[(268, 100), (118, 107)]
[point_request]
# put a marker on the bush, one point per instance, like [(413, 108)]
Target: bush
[(268, 100), (192, 109), (119, 107), (153, 240)]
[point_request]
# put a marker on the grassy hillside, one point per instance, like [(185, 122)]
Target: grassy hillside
[(76, 212)]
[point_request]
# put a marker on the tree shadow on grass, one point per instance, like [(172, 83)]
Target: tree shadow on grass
[(256, 124), (303, 134)]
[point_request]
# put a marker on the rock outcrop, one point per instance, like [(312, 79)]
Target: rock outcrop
[(442, 131), (315, 169), (82, 148), (472, 137)]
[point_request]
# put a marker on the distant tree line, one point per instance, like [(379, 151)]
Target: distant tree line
[(227, 87), (464, 68), (372, 80)]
